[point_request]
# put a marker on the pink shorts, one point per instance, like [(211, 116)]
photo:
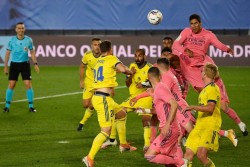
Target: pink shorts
[(193, 74), (166, 145), (183, 118), (223, 91)]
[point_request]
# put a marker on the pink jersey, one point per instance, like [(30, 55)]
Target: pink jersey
[(198, 43), (170, 80), (162, 96)]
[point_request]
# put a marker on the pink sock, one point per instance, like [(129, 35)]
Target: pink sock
[(233, 115), (164, 159), (153, 133), (222, 132), (179, 152)]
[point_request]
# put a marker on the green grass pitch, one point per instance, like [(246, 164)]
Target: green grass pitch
[(32, 139)]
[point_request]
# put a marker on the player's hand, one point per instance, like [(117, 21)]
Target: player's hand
[(81, 84), (6, 70), (230, 51), (139, 85), (140, 110), (165, 130), (189, 52), (133, 101), (133, 70), (188, 108), (37, 68)]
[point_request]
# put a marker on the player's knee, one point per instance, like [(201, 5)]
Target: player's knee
[(146, 120), (85, 104), (121, 114), (12, 85), (201, 156), (189, 155), (189, 126)]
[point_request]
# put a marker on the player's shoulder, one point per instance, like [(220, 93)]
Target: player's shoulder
[(28, 38), (187, 30), (149, 65), (212, 87), (88, 53)]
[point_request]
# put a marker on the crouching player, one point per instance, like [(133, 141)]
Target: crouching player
[(204, 136), (164, 148)]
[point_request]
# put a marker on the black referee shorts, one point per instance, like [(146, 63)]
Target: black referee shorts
[(17, 68)]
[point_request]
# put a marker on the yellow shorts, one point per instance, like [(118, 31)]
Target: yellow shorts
[(145, 102), (203, 137), (87, 91), (106, 109)]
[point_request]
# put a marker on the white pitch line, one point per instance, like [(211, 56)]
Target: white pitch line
[(54, 96)]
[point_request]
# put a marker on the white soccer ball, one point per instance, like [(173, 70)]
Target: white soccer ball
[(155, 17)]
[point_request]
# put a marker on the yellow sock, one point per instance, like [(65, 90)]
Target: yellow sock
[(113, 131), (121, 129), (97, 143), (88, 113), (210, 164), (147, 134), (189, 164)]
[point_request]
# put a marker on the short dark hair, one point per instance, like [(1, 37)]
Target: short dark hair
[(142, 51), (195, 16), (155, 71), (166, 49), (164, 61), (95, 39), (105, 46), (19, 23), (168, 38)]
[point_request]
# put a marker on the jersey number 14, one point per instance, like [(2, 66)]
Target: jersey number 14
[(98, 74)]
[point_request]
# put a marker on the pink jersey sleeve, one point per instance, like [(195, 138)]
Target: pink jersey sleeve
[(178, 47), (217, 43)]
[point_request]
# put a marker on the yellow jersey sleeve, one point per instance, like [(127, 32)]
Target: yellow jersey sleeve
[(85, 58)]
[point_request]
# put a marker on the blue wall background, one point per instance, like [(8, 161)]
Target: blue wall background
[(122, 14)]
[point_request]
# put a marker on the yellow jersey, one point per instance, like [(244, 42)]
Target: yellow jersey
[(105, 72), (89, 60), (141, 75), (211, 93)]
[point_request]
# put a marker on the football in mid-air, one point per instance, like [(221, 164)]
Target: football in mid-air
[(155, 17)]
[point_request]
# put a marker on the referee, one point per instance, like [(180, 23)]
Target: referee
[(18, 48)]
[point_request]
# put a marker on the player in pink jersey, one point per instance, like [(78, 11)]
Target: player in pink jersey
[(164, 148), (191, 46)]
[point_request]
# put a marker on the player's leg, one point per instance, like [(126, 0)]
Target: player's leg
[(202, 154), (121, 118), (153, 126), (88, 112), (26, 76), (147, 131), (13, 77), (164, 154), (234, 116), (227, 110), (105, 115), (230, 135)]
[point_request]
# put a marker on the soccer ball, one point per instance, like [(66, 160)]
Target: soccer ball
[(155, 17)]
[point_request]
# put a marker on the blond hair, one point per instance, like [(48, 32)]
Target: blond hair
[(211, 71)]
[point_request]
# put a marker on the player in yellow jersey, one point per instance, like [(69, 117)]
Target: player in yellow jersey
[(204, 136), (140, 74), (88, 63), (103, 86)]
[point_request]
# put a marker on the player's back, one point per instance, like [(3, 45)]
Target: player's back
[(211, 93), (141, 75), (170, 80), (162, 96), (105, 72), (89, 60)]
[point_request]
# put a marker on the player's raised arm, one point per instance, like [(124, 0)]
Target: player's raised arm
[(123, 69), (218, 44), (178, 47)]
